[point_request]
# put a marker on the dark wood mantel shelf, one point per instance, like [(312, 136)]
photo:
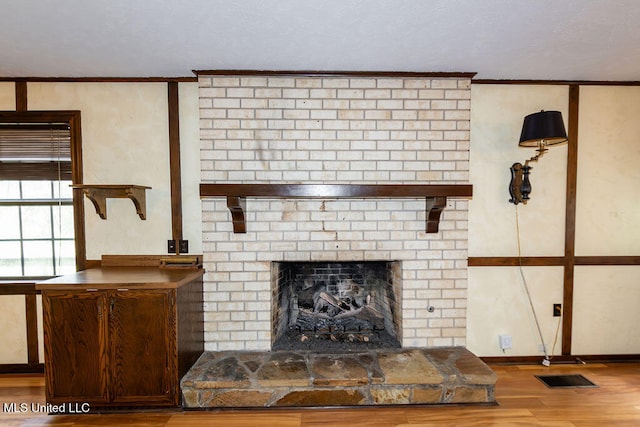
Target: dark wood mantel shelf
[(236, 194)]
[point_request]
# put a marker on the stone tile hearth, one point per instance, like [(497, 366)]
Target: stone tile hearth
[(445, 375)]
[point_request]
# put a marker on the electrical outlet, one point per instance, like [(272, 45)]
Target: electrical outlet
[(542, 348), (184, 246), (505, 342), (557, 310), (171, 246)]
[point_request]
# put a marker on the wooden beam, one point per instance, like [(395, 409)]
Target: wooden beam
[(334, 191), (78, 198), (312, 73), (31, 308), (21, 95), (607, 260), (174, 163), (540, 261), (570, 220)]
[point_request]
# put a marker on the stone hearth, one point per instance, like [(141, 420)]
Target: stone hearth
[(446, 375)]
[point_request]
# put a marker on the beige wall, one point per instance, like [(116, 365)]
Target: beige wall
[(606, 315), (125, 141), (13, 334), (606, 298), (608, 207), (497, 112), (497, 296), (12, 307), (7, 96), (498, 305)]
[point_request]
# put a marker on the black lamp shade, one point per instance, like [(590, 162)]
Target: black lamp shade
[(545, 125)]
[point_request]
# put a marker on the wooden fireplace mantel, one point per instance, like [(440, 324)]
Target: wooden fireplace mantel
[(236, 194)]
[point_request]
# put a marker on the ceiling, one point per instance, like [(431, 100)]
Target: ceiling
[(497, 39)]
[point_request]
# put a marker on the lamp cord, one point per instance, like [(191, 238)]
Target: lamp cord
[(526, 288)]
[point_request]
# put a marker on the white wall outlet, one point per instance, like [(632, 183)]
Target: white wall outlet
[(505, 342), (542, 348)]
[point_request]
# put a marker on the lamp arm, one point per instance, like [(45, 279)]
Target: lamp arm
[(542, 148)]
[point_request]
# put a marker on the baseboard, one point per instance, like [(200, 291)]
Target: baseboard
[(21, 368), (583, 358)]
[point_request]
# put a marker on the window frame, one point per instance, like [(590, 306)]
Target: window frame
[(72, 118)]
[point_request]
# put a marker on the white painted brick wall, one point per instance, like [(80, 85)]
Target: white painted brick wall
[(334, 130)]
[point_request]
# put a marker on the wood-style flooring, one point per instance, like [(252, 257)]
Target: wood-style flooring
[(523, 401)]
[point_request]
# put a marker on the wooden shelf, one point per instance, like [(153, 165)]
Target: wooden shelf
[(98, 194), (236, 194)]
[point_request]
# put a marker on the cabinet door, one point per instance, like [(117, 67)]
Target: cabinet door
[(143, 349), (75, 330)]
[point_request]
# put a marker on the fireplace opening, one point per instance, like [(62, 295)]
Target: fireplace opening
[(341, 306)]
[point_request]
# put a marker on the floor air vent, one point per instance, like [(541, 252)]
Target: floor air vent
[(565, 381)]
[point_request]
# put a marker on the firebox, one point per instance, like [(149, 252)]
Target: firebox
[(341, 306)]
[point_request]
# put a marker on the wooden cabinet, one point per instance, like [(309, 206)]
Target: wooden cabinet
[(76, 334), (142, 329), (121, 337)]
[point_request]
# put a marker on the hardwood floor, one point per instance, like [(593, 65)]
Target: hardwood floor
[(523, 401)]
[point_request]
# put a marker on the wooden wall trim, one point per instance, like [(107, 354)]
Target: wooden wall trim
[(551, 261), (607, 260), (312, 73), (555, 82), (21, 368), (21, 95), (570, 219), (562, 359), (542, 261), (174, 162), (78, 195), (101, 79), (31, 309)]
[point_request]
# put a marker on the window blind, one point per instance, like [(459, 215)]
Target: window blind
[(34, 151)]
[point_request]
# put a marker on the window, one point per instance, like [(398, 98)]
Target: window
[(41, 216), (36, 228)]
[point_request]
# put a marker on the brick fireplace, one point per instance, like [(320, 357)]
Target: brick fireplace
[(340, 129)]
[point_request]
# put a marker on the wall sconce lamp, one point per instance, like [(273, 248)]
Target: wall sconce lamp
[(539, 130)]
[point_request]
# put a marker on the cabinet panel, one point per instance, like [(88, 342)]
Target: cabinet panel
[(143, 350), (75, 336)]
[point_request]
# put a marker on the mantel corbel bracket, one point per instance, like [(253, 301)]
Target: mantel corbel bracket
[(237, 206), (98, 195), (435, 205)]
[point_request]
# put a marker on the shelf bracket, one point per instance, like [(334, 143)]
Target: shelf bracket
[(98, 194), (435, 205), (237, 206)]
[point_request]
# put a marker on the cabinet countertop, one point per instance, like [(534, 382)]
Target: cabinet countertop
[(122, 277)]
